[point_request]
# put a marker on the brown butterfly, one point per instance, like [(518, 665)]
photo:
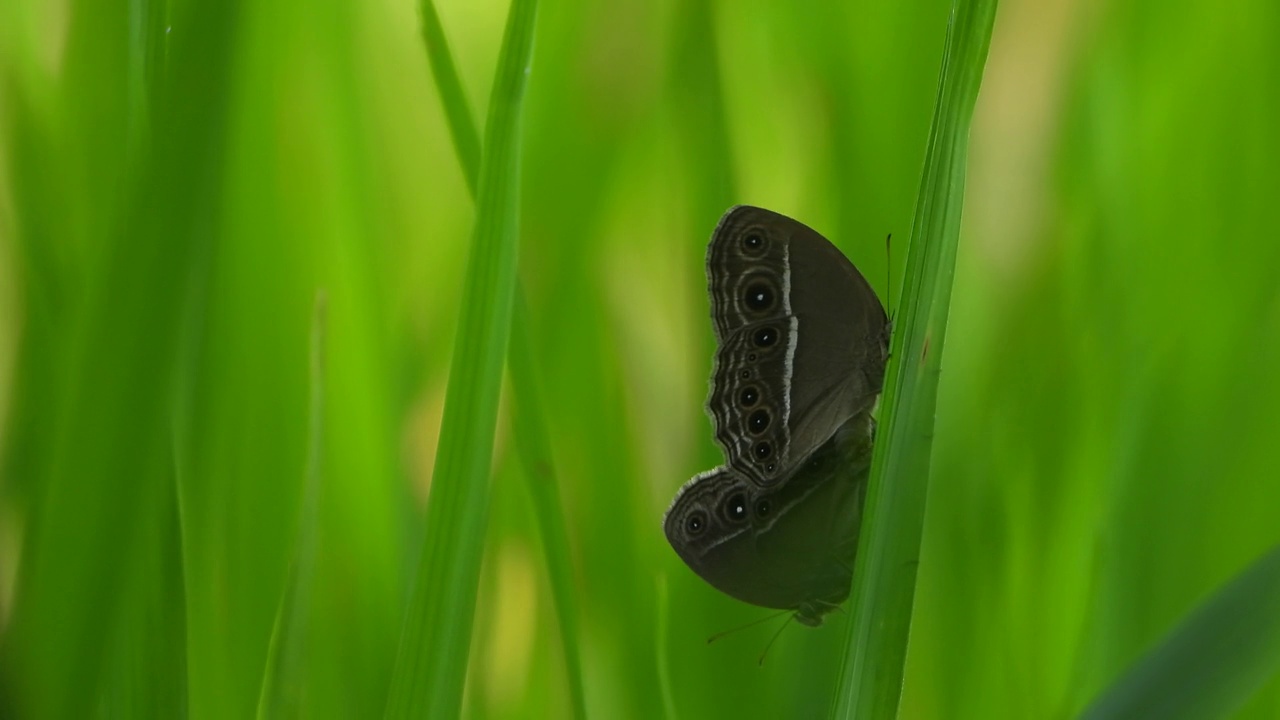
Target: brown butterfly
[(803, 341)]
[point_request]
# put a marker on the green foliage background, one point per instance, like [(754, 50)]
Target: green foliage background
[(178, 183)]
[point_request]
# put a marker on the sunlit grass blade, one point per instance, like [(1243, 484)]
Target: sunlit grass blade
[(539, 468), (884, 586), (431, 664), (528, 421), (462, 126), (98, 623), (662, 625), (697, 88), (284, 675), (1213, 662), (40, 221)]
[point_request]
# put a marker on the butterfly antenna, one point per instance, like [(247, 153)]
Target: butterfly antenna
[(775, 637), (753, 623)]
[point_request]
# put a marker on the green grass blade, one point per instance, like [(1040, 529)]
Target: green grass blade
[(462, 127), (432, 661), (662, 625), (696, 86), (534, 445), (98, 622), (871, 676), (530, 431), (285, 672), (1213, 662)]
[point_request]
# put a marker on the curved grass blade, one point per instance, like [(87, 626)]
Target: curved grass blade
[(534, 447), (431, 664), (870, 680), (530, 432), (102, 555), (283, 678), (1210, 664), (462, 127)]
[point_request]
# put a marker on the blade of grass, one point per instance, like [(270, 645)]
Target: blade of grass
[(1213, 662), (532, 441), (284, 676), (534, 447), (39, 226), (662, 625), (101, 560), (462, 127), (697, 87), (870, 680), (431, 664)]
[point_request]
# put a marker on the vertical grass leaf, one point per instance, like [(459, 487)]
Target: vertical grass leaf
[(462, 127), (530, 432), (884, 585), (435, 640), (284, 676), (98, 624), (534, 446)]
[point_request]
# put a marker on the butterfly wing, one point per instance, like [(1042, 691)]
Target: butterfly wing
[(788, 548), (802, 341)]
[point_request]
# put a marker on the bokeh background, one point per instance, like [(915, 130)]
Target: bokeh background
[(1106, 448)]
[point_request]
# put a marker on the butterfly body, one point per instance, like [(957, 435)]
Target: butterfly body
[(802, 343)]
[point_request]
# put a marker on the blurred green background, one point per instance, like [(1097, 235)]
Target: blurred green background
[(178, 183)]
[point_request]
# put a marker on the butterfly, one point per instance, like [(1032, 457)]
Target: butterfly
[(802, 342)]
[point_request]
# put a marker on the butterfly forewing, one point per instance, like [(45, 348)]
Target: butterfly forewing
[(799, 329), (748, 405), (748, 271)]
